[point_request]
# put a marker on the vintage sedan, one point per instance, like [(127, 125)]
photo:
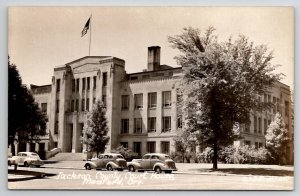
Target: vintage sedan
[(157, 162), (109, 161), (26, 159)]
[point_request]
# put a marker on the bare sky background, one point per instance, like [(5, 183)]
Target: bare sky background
[(41, 38)]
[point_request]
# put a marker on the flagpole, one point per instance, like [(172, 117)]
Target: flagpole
[(90, 35)]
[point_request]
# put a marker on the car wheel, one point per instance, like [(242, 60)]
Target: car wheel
[(157, 170), (168, 172), (131, 168), (109, 168), (88, 167), (26, 164)]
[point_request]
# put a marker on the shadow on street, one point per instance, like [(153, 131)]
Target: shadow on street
[(29, 175)]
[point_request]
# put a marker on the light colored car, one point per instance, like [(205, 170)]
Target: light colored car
[(109, 161), (157, 162), (26, 159)]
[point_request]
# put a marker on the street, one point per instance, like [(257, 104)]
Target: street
[(113, 180)]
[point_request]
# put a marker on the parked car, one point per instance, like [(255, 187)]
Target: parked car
[(109, 161), (157, 162), (26, 159)]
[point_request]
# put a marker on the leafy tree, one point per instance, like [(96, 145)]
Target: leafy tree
[(183, 142), (277, 140), (125, 152), (221, 83), (26, 122), (96, 129)]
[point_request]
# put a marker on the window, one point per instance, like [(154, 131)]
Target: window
[(165, 147), (256, 145), (137, 147), (95, 82), (166, 98), (83, 84), (55, 144), (32, 147), (104, 78), (77, 105), (57, 85), (138, 125), (82, 104), (44, 107), (104, 100), (57, 106), (255, 124), (247, 128), (265, 98), (138, 101), (166, 123), (152, 100), (274, 105), (146, 76), (134, 78), (87, 104), (72, 105), (179, 122), (94, 100), (73, 85), (88, 83), (286, 108), (260, 145), (77, 85), (150, 147), (125, 102), (124, 144), (259, 125), (124, 125), (247, 143), (151, 124), (265, 126), (56, 127)]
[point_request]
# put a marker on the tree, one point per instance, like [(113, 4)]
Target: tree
[(26, 122), (183, 142), (221, 83), (277, 140), (96, 129)]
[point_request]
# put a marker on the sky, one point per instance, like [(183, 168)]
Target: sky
[(40, 38)]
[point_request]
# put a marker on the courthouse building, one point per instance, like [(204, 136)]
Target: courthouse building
[(141, 107)]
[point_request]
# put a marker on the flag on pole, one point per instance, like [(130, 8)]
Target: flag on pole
[(86, 27)]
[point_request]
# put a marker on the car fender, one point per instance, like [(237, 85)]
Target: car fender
[(134, 164), (161, 165), (92, 164), (114, 165)]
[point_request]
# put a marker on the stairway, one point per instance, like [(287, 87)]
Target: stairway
[(67, 157)]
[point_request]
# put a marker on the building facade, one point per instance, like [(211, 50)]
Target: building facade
[(141, 107)]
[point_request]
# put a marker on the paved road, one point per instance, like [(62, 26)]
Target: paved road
[(82, 179)]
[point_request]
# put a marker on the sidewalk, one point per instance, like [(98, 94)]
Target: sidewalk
[(203, 168)]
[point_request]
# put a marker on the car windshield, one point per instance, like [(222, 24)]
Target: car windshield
[(34, 154), (120, 157)]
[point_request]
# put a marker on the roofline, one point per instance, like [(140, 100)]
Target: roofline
[(174, 68), (85, 58)]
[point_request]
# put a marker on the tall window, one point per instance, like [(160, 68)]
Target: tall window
[(255, 124), (166, 98), (151, 147), (73, 85), (94, 100), (95, 81), (165, 147), (138, 125), (265, 126), (124, 144), (57, 85), (274, 105), (124, 125), (83, 84), (87, 104), (151, 124), (179, 122), (247, 143), (125, 102), (88, 83), (138, 101), (72, 105), (77, 105), (259, 125), (152, 100), (166, 123), (77, 85), (137, 147), (104, 78), (82, 104), (56, 127), (57, 106), (104, 99), (44, 107)]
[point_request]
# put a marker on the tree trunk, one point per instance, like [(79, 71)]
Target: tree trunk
[(13, 150), (215, 157), (182, 157)]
